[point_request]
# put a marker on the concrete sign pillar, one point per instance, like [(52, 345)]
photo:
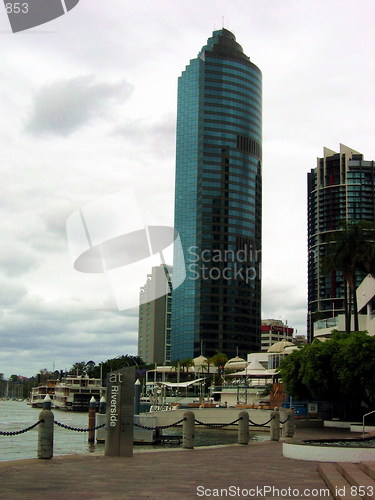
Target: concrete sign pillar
[(120, 413)]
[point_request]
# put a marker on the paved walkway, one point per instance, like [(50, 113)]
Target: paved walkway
[(179, 474)]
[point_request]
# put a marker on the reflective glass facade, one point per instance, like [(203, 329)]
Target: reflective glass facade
[(340, 188), (218, 202)]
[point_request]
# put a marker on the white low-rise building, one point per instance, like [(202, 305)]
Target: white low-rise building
[(366, 312), (366, 303)]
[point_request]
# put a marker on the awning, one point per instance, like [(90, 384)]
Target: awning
[(254, 373), (176, 385)]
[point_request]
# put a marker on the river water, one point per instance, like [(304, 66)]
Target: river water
[(17, 415)]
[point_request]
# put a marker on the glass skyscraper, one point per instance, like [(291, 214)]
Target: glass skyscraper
[(218, 203), (340, 189)]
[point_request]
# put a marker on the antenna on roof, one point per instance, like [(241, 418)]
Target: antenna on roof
[(222, 21)]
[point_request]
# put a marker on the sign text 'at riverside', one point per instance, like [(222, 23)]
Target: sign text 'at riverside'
[(120, 413)]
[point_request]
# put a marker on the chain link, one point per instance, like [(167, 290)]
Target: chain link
[(77, 429), (217, 426), (285, 421), (159, 427), (260, 425), (15, 433)]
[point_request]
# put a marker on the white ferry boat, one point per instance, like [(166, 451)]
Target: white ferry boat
[(38, 393), (74, 392)]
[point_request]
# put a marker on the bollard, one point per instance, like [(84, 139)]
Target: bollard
[(275, 425), (243, 428), (188, 430), (289, 426), (100, 418), (137, 396), (92, 418), (45, 430), (102, 406)]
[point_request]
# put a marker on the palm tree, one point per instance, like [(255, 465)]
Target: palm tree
[(186, 364), (348, 252)]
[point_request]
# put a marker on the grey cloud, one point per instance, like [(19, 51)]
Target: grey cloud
[(15, 260), (64, 106), (54, 332), (11, 293), (160, 135)]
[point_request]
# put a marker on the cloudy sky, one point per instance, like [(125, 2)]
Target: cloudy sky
[(88, 109)]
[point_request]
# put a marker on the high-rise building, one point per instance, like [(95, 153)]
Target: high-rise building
[(154, 321), (274, 330), (218, 202), (340, 189)]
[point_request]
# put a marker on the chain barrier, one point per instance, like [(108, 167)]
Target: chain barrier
[(78, 429), (260, 425), (15, 433), (217, 426), (158, 427), (285, 421)]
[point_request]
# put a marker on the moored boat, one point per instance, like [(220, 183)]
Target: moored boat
[(74, 392), (38, 393)]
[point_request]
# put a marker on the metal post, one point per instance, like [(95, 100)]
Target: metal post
[(45, 430), (92, 418), (243, 428), (275, 425), (188, 430), (137, 397)]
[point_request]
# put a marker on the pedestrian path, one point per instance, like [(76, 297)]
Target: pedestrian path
[(257, 470)]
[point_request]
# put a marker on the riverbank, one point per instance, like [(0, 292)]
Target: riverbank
[(184, 474)]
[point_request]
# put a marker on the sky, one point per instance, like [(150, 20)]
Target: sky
[(88, 110)]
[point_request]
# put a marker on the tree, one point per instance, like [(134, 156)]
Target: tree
[(78, 368), (218, 359), (340, 369), (113, 364), (89, 368), (348, 252), (43, 376)]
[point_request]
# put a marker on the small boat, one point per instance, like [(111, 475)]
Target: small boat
[(74, 392), (38, 393)]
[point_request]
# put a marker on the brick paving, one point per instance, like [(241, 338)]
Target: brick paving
[(173, 473)]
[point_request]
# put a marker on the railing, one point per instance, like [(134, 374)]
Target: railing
[(363, 421), (45, 434)]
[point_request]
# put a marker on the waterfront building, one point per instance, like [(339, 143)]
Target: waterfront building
[(154, 322), (272, 331), (218, 203), (300, 340), (278, 351), (340, 189)]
